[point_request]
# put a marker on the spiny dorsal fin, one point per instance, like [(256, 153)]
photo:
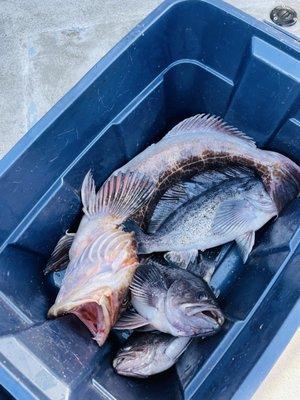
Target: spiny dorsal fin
[(60, 256), (207, 123), (119, 197)]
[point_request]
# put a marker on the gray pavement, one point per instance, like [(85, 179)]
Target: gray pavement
[(46, 46)]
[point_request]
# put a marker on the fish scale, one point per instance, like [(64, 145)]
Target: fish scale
[(195, 224)]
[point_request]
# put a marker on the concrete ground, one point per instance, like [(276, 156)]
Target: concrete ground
[(46, 47)]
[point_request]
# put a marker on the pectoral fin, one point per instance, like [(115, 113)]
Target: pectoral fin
[(130, 320), (233, 217), (181, 259), (245, 244), (60, 256), (147, 276)]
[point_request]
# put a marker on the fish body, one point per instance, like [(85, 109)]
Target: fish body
[(102, 257), (171, 300), (147, 354), (205, 142), (196, 144), (231, 210)]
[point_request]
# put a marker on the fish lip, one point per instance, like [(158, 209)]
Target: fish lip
[(211, 313), (65, 308), (213, 316)]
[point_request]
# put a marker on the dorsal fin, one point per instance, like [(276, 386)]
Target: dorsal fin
[(207, 123), (182, 192), (120, 196)]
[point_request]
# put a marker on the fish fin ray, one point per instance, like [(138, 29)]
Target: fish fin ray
[(245, 244), (169, 202), (232, 216), (148, 328), (146, 274), (130, 320), (181, 259), (211, 178), (59, 258), (120, 196), (182, 192), (206, 123)]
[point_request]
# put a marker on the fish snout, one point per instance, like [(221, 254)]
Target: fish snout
[(206, 318), (127, 364)]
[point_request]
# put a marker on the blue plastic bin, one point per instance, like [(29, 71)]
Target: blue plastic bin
[(187, 57)]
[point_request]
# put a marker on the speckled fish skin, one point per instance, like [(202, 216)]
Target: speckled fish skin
[(171, 300), (197, 224), (202, 142), (148, 354), (102, 257)]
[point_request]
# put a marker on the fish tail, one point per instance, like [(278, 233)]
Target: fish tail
[(120, 196), (284, 184), (143, 239)]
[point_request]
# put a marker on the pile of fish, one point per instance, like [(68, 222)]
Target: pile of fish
[(203, 185)]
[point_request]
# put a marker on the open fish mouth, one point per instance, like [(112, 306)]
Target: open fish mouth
[(211, 315), (214, 315), (95, 317)]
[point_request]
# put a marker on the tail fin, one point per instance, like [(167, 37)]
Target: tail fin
[(141, 238), (120, 196), (284, 185)]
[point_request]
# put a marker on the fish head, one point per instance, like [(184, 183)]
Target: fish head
[(134, 361), (147, 354), (192, 308), (96, 282)]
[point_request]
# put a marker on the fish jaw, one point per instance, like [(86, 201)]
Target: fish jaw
[(96, 282), (99, 311)]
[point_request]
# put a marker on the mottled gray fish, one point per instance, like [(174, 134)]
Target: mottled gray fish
[(197, 144), (224, 206), (206, 142), (171, 300), (148, 354)]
